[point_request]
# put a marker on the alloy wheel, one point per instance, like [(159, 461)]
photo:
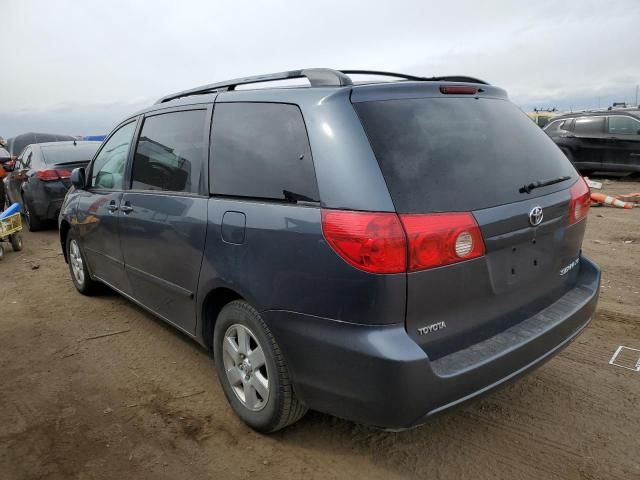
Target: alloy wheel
[(75, 259), (245, 366)]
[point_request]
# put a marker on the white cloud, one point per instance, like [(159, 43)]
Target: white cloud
[(59, 53)]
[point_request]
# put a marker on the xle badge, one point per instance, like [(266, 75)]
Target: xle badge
[(431, 328)]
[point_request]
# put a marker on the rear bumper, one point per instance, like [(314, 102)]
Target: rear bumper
[(377, 375), (47, 198)]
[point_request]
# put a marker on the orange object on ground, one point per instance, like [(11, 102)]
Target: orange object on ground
[(607, 200)]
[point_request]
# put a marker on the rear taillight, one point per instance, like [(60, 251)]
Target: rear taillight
[(373, 242), (458, 90), (441, 239), (388, 243), (580, 201), (49, 175)]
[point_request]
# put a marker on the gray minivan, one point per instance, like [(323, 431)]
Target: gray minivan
[(377, 251)]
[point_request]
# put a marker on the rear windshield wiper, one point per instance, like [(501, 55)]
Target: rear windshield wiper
[(543, 183)]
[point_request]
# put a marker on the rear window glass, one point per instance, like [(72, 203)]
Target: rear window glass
[(56, 154), (261, 150), (459, 154)]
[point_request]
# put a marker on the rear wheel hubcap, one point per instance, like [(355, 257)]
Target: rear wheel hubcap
[(245, 367)]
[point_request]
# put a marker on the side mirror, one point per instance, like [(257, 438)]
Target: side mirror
[(77, 178)]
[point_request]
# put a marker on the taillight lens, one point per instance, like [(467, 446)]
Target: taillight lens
[(49, 175), (580, 201), (458, 90), (388, 243), (441, 239), (373, 242)]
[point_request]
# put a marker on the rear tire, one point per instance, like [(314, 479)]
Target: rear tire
[(16, 242), (252, 371), (33, 222), (78, 267)]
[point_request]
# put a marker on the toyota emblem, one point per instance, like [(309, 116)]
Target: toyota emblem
[(535, 216)]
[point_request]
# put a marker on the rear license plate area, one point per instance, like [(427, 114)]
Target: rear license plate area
[(522, 263)]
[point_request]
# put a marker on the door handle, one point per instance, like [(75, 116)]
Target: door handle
[(112, 207), (126, 208)]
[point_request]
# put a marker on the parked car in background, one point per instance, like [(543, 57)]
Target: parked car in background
[(380, 252), (5, 157), (602, 140), (16, 144), (40, 178)]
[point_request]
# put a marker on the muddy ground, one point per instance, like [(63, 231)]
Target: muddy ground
[(145, 402)]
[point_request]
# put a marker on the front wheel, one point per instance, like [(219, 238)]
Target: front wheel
[(252, 370), (78, 267)]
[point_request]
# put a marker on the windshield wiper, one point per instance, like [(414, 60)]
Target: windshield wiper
[(543, 183)]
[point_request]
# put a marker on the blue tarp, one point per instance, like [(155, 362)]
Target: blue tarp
[(14, 208)]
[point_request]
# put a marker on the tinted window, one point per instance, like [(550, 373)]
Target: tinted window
[(589, 125), (81, 152), (459, 154), (620, 125), (261, 150), (171, 153), (108, 167)]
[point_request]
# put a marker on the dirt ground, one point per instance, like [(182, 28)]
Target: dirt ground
[(145, 402)]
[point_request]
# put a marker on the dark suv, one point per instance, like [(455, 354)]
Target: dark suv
[(380, 252), (602, 140)]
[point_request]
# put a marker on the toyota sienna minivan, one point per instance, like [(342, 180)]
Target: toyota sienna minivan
[(379, 251)]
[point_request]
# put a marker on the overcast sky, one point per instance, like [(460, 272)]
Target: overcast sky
[(79, 66)]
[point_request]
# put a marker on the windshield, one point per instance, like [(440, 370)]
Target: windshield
[(459, 154), (55, 154)]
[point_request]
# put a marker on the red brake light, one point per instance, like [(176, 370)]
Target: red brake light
[(373, 242), (388, 243), (458, 90), (441, 239), (580, 201), (49, 175)]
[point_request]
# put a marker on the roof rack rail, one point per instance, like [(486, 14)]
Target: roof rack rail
[(382, 74), (451, 78), (318, 77)]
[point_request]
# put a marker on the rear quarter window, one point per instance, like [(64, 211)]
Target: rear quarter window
[(261, 150), (459, 154), (589, 125)]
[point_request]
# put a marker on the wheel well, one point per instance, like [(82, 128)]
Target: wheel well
[(213, 303), (64, 230)]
